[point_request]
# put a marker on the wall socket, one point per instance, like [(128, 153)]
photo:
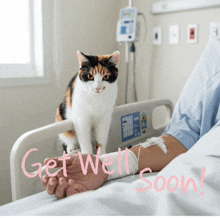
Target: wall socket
[(215, 30), (157, 35), (192, 33), (174, 34)]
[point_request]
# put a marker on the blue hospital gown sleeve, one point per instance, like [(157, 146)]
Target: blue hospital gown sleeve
[(197, 109)]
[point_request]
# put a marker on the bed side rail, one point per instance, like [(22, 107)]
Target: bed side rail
[(21, 185)]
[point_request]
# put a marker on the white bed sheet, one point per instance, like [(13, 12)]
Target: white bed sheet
[(120, 197)]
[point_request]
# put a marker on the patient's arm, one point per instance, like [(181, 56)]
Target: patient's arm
[(75, 182), (154, 158)]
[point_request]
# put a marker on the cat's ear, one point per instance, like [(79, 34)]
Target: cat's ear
[(82, 58), (114, 58)]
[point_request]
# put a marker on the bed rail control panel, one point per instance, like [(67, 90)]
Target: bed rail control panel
[(133, 125)]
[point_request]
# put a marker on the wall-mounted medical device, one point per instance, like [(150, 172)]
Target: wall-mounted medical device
[(128, 31), (127, 25)]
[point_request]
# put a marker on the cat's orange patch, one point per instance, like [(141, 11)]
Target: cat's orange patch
[(102, 57), (100, 69), (70, 134), (74, 84), (68, 98), (58, 115), (80, 71)]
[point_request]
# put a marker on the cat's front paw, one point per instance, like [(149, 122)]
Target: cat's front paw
[(72, 149)]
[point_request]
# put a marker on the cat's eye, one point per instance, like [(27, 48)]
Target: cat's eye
[(90, 77), (106, 77)]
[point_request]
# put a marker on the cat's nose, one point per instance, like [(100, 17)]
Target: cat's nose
[(98, 89)]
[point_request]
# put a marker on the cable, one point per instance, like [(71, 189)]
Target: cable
[(127, 70), (126, 84), (134, 73), (145, 25), (134, 76)]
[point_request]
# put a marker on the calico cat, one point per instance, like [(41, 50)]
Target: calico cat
[(89, 102)]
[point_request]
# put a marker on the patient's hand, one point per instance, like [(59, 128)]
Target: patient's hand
[(76, 181)]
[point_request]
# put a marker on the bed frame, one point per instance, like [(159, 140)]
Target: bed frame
[(45, 140)]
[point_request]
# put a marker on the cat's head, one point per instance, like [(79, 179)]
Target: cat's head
[(98, 73)]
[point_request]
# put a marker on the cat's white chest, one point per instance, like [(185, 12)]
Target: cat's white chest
[(92, 110)]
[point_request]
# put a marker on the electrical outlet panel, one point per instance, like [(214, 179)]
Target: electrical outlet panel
[(215, 30), (174, 34), (157, 35), (192, 33)]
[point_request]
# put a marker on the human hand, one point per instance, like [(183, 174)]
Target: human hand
[(76, 181)]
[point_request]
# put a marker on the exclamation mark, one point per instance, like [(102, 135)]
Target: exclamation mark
[(202, 179)]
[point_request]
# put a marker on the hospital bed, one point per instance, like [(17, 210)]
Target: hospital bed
[(120, 196)]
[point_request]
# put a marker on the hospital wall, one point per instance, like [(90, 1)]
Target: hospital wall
[(90, 29), (165, 68)]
